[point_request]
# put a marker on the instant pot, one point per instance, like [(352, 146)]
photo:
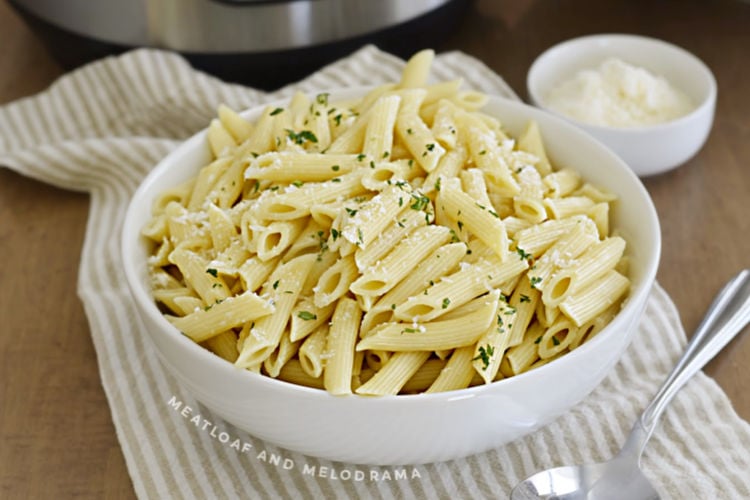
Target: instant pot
[(264, 43)]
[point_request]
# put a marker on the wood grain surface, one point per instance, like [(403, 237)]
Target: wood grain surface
[(57, 439)]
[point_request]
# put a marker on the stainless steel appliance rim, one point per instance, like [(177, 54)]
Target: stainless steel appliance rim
[(224, 26)]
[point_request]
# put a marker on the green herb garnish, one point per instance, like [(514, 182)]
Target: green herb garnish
[(485, 354), (301, 136), (535, 280)]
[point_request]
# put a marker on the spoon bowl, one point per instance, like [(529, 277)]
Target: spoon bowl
[(572, 482), (621, 477)]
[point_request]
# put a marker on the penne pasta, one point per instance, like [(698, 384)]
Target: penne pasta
[(398, 243)]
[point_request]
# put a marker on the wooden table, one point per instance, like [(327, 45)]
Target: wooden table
[(56, 433)]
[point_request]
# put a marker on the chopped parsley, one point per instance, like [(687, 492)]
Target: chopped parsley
[(213, 272), (335, 168), (307, 315), (301, 136), (446, 303), (535, 280), (420, 201), (323, 244), (217, 301), (275, 284), (485, 354), (322, 99), (523, 253), (525, 298), (276, 111)]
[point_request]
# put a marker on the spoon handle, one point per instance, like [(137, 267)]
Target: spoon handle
[(727, 316)]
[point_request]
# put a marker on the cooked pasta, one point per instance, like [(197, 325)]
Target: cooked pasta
[(396, 244)]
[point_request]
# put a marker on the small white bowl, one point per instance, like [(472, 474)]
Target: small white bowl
[(648, 150), (408, 429)]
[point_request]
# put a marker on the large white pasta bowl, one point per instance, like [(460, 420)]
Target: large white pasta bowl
[(415, 428)]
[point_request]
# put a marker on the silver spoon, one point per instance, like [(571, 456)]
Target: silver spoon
[(621, 477)]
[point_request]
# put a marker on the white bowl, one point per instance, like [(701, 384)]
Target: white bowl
[(648, 150), (417, 428)]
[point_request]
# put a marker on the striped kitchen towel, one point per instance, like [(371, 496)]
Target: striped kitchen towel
[(103, 127)]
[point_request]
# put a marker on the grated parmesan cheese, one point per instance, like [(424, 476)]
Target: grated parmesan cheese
[(618, 94)]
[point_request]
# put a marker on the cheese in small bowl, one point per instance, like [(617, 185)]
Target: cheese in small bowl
[(649, 101), (619, 94)]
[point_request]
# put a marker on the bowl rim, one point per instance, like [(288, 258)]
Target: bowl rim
[(705, 105), (145, 303)]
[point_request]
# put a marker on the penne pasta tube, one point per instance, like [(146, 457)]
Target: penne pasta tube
[(470, 281), (312, 355), (294, 202), (417, 69), (302, 167), (491, 346), (394, 375), (414, 132), (457, 373), (383, 276), (216, 318), (531, 140), (424, 377), (283, 288), (434, 335), (595, 298), (484, 152), (405, 222), (557, 337), (378, 140), (224, 345), (342, 336), (480, 220), (239, 128), (594, 262), (219, 139), (562, 183), (293, 373), (278, 358)]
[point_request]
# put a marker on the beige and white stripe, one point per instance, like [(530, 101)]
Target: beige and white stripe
[(101, 128)]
